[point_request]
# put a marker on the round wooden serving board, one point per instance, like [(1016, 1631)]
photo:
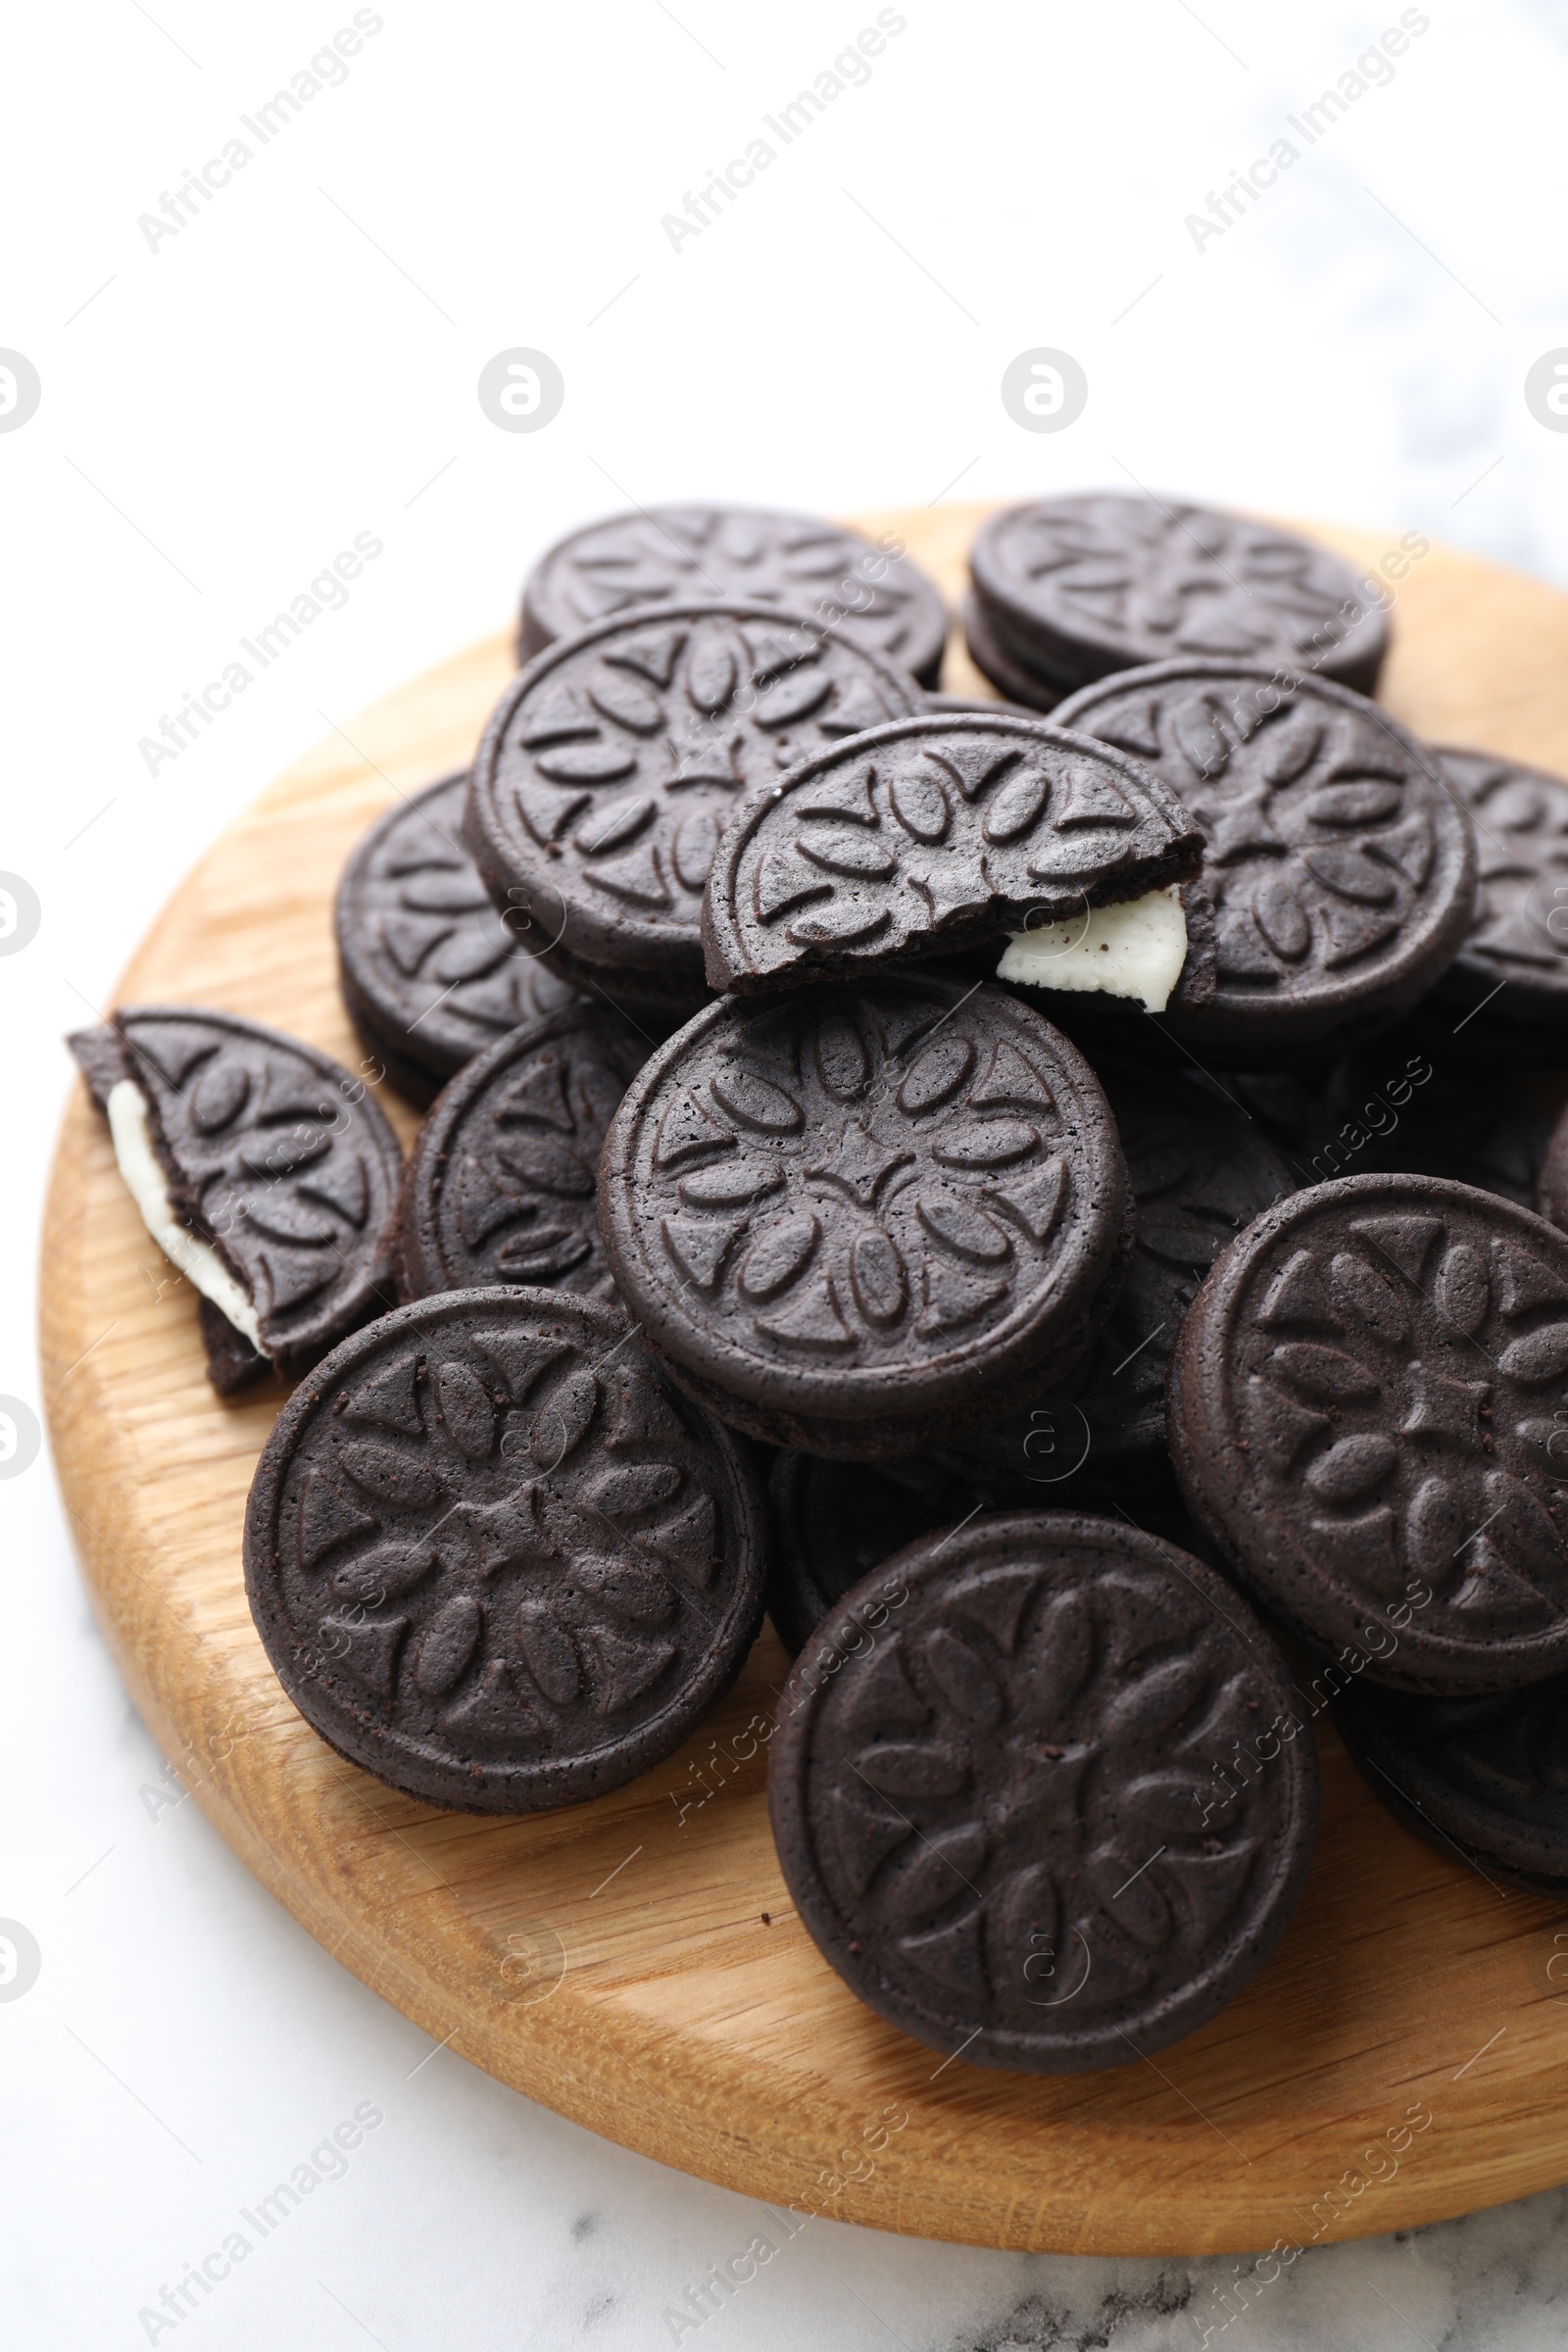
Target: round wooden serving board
[(636, 1963)]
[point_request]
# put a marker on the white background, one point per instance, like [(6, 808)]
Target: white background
[(220, 416)]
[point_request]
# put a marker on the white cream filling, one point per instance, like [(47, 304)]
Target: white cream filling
[(196, 1260), (1133, 950)]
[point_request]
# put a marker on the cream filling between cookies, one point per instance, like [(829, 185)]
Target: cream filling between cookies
[(130, 1126), (1136, 948)]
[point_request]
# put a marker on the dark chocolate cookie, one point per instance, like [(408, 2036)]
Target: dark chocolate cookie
[(1486, 1778), (929, 836), (1511, 973), (1392, 1109), (613, 763), (1077, 587), (993, 1792), (663, 556), (1199, 1174), (429, 971), (494, 1558), (1008, 671), (1363, 1406), (265, 1172), (861, 1222), (1340, 865), (503, 1185)]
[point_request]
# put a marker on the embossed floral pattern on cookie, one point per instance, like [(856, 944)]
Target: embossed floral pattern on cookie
[(668, 554), (1370, 1414), (1000, 1817), (1104, 582), (503, 1186), (1340, 866), (493, 1557), (933, 834), (1520, 934), (879, 1202), (610, 769), (430, 968)]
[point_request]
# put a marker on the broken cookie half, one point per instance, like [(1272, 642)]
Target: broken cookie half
[(264, 1171), (950, 833)]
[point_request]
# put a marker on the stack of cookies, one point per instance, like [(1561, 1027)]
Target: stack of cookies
[(1067, 590), (1039, 1206)]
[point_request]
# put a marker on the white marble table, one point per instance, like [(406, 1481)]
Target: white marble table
[(226, 405)]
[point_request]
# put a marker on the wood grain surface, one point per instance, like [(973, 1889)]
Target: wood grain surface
[(636, 1963)]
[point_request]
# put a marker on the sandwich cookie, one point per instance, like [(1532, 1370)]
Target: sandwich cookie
[(429, 971), (265, 1172), (495, 1559), (1505, 994), (1339, 863), (1069, 589), (861, 1222), (994, 1792), (503, 1185), (612, 765), (661, 555), (1486, 1778), (943, 833), (1366, 1412)]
